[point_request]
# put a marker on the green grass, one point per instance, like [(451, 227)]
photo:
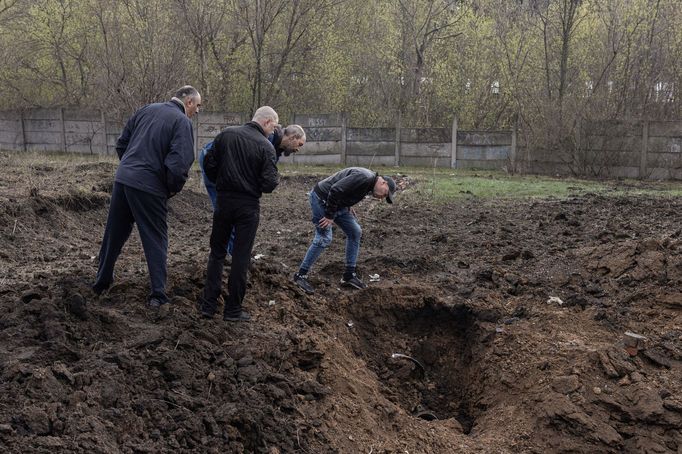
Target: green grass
[(497, 185), (444, 184), (501, 186), (440, 184)]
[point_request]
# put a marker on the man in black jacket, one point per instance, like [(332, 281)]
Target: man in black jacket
[(156, 149), (285, 140), (242, 164), (331, 200)]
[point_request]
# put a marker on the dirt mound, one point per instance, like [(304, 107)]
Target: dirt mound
[(489, 327)]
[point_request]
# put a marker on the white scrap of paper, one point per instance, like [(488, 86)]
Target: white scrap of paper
[(555, 299)]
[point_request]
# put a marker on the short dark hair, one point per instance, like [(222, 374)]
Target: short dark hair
[(187, 90)]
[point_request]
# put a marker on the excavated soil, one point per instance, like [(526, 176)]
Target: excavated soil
[(455, 348)]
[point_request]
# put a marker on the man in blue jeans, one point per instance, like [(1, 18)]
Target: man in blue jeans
[(331, 201), (286, 141)]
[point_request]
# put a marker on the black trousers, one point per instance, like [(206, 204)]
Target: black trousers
[(242, 214), (129, 206)]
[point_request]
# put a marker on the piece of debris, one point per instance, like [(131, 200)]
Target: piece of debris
[(349, 323), (426, 415), (633, 342), (555, 299), (272, 302), (374, 278), (258, 256), (415, 361)]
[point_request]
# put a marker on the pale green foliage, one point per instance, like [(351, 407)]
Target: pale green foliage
[(547, 65)]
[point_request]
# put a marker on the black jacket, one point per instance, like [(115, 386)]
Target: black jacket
[(345, 188), (156, 149), (276, 141), (242, 162)]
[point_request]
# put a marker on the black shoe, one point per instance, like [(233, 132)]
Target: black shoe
[(243, 316), (155, 303), (302, 281), (207, 309), (353, 281), (99, 288)]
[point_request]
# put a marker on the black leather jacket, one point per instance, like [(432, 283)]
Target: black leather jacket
[(345, 188), (242, 162)]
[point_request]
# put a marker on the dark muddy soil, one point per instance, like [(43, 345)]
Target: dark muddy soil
[(454, 349)]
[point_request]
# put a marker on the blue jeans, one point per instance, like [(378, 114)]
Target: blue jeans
[(323, 237), (213, 194)]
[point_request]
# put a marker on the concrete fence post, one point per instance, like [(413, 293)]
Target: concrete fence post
[(103, 120), (398, 126), (24, 147), (512, 157), (344, 126), (645, 150), (61, 120), (453, 152)]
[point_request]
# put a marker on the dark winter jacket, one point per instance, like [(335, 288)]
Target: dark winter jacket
[(242, 162), (276, 140), (156, 149), (345, 188)]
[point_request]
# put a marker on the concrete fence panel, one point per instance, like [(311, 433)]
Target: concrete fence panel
[(665, 129), (370, 146), (325, 140), (11, 131), (319, 120), (484, 149), (207, 125), (644, 149)]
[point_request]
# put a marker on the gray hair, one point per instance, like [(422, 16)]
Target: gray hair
[(294, 130), (264, 114), (187, 91)]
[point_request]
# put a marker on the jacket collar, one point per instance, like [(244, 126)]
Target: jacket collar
[(179, 103), (277, 136), (374, 182), (253, 124)]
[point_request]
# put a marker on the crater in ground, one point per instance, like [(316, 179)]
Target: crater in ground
[(426, 353)]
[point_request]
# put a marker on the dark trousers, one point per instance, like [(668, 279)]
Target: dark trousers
[(242, 215), (149, 211)]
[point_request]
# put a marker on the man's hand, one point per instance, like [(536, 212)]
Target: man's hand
[(325, 222)]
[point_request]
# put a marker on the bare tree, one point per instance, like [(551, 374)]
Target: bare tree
[(142, 55), (275, 30), (204, 20), (422, 23), (7, 6)]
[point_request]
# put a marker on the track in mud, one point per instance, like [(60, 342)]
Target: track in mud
[(463, 292)]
